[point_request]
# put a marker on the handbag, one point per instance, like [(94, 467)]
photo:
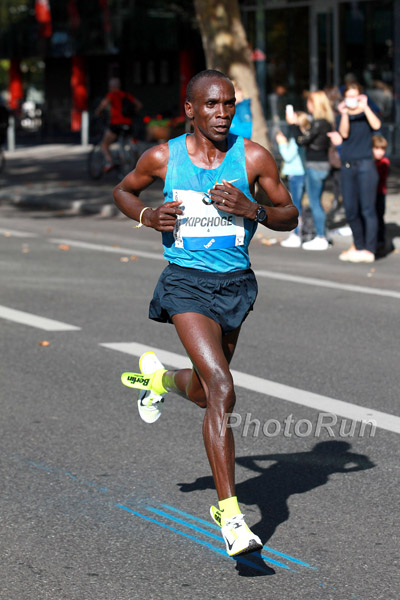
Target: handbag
[(334, 157)]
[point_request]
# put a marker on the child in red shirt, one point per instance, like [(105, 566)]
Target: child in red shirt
[(379, 145)]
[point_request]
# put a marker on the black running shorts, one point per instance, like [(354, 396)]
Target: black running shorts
[(227, 298), (118, 129)]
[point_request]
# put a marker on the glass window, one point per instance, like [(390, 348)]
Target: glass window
[(287, 63), (367, 49)]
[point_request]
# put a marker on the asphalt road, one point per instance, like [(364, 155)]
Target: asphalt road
[(95, 504)]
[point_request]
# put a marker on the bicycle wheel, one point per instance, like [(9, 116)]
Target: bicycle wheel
[(128, 156), (95, 163), (2, 160)]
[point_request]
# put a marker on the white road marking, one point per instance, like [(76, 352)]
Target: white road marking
[(112, 249), (328, 284), (277, 390), (18, 316), (18, 234), (263, 273)]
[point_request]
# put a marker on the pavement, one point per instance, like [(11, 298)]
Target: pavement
[(54, 177)]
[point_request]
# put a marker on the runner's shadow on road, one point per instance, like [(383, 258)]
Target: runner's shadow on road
[(294, 473)]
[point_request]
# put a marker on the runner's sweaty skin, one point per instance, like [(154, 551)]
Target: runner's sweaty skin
[(209, 383)]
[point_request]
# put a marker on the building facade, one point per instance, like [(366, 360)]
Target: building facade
[(61, 53), (315, 44)]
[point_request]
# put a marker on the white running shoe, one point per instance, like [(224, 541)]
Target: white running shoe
[(293, 241), (346, 255), (150, 405), (237, 536), (362, 256), (318, 243)]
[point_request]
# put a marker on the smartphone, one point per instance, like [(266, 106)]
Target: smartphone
[(351, 102), (289, 110)]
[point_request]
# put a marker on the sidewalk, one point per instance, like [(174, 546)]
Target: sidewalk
[(54, 177)]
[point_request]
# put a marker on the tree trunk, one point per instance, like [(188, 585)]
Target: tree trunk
[(226, 48)]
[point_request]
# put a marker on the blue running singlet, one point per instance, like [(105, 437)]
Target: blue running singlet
[(206, 238)]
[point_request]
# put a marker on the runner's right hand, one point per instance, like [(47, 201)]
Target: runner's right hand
[(163, 218)]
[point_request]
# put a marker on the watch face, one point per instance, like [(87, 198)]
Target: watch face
[(261, 214)]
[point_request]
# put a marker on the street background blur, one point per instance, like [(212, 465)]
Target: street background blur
[(57, 56), (95, 504), (53, 178)]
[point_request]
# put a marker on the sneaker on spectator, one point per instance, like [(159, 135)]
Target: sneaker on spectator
[(362, 256), (293, 241), (318, 243)]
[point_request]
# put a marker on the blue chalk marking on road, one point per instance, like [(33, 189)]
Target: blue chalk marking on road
[(161, 513), (189, 516), (191, 537), (57, 471), (216, 537), (266, 548), (104, 490)]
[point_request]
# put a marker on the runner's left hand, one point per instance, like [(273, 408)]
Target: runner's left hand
[(230, 199)]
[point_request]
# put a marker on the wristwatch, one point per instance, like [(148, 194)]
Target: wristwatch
[(261, 214)]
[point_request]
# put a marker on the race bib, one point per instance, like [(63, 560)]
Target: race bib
[(203, 226)]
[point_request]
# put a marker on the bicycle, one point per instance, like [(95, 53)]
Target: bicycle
[(125, 156), (2, 159)]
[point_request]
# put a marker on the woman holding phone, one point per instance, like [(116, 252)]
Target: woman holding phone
[(316, 143), (356, 124)]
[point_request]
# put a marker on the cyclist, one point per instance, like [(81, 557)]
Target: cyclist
[(115, 100), (4, 117)]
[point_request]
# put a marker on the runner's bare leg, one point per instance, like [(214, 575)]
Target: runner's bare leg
[(210, 385)]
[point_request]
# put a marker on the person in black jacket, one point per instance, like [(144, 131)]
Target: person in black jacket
[(316, 142)]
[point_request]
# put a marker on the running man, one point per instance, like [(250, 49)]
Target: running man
[(207, 221), (114, 101)]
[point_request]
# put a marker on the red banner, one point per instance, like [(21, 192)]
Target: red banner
[(43, 17), (15, 87), (79, 91)]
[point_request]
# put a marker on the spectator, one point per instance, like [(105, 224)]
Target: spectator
[(379, 145), (294, 169), (242, 121), (356, 123), (316, 142), (335, 98)]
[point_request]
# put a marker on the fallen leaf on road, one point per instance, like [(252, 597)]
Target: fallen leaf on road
[(63, 247), (7, 234), (133, 257), (44, 343), (124, 259), (115, 245), (269, 241)]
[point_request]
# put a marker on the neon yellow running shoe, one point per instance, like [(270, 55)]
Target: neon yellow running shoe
[(238, 538), (149, 382)]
